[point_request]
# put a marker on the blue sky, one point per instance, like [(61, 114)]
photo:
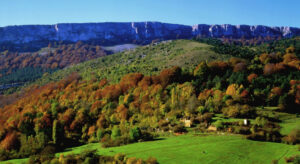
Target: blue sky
[(189, 12)]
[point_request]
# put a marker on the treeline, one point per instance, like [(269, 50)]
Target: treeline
[(280, 46), (235, 50), (75, 111), (90, 157), (247, 49)]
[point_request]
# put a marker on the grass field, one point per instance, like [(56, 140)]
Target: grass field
[(193, 148), (288, 122)]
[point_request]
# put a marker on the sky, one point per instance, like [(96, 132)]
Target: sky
[(188, 12)]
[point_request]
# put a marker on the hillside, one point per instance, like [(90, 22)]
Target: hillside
[(149, 59), (156, 91), (18, 68)]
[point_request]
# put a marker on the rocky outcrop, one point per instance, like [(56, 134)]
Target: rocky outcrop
[(134, 32)]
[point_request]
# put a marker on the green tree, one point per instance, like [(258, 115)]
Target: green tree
[(54, 131), (54, 108), (201, 70), (135, 134), (116, 133), (57, 132), (100, 134)]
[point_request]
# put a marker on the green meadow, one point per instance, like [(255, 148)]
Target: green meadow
[(197, 148)]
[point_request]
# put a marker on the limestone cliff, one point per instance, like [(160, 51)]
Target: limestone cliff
[(134, 32)]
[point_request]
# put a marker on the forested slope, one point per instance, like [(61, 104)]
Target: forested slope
[(93, 105)]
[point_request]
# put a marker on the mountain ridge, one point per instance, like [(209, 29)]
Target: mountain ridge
[(112, 33)]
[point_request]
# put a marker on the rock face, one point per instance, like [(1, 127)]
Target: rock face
[(134, 32)]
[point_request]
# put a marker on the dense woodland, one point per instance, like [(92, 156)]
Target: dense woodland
[(24, 67), (140, 107)]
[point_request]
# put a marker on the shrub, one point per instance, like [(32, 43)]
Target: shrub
[(40, 158), (265, 134), (147, 136), (131, 160), (206, 117), (100, 134), (226, 97), (151, 160), (135, 134), (89, 157), (116, 132), (295, 159), (119, 157), (241, 130), (293, 137), (4, 155), (49, 149), (261, 121), (179, 129), (201, 70), (116, 142), (202, 109), (163, 123), (239, 111), (219, 124)]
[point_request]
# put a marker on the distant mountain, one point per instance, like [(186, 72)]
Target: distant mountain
[(134, 32)]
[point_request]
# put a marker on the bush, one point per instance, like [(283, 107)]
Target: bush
[(4, 155), (116, 142), (163, 123), (295, 159), (293, 137), (206, 117), (119, 157), (151, 160), (265, 134), (226, 97), (89, 157), (260, 121), (135, 134), (241, 130), (147, 136), (100, 134), (202, 109), (116, 132), (49, 149), (40, 158), (219, 124), (239, 111), (179, 129)]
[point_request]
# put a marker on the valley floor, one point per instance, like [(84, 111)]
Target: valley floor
[(197, 148)]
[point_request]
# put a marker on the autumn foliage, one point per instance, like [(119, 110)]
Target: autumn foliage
[(52, 58), (94, 110)]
